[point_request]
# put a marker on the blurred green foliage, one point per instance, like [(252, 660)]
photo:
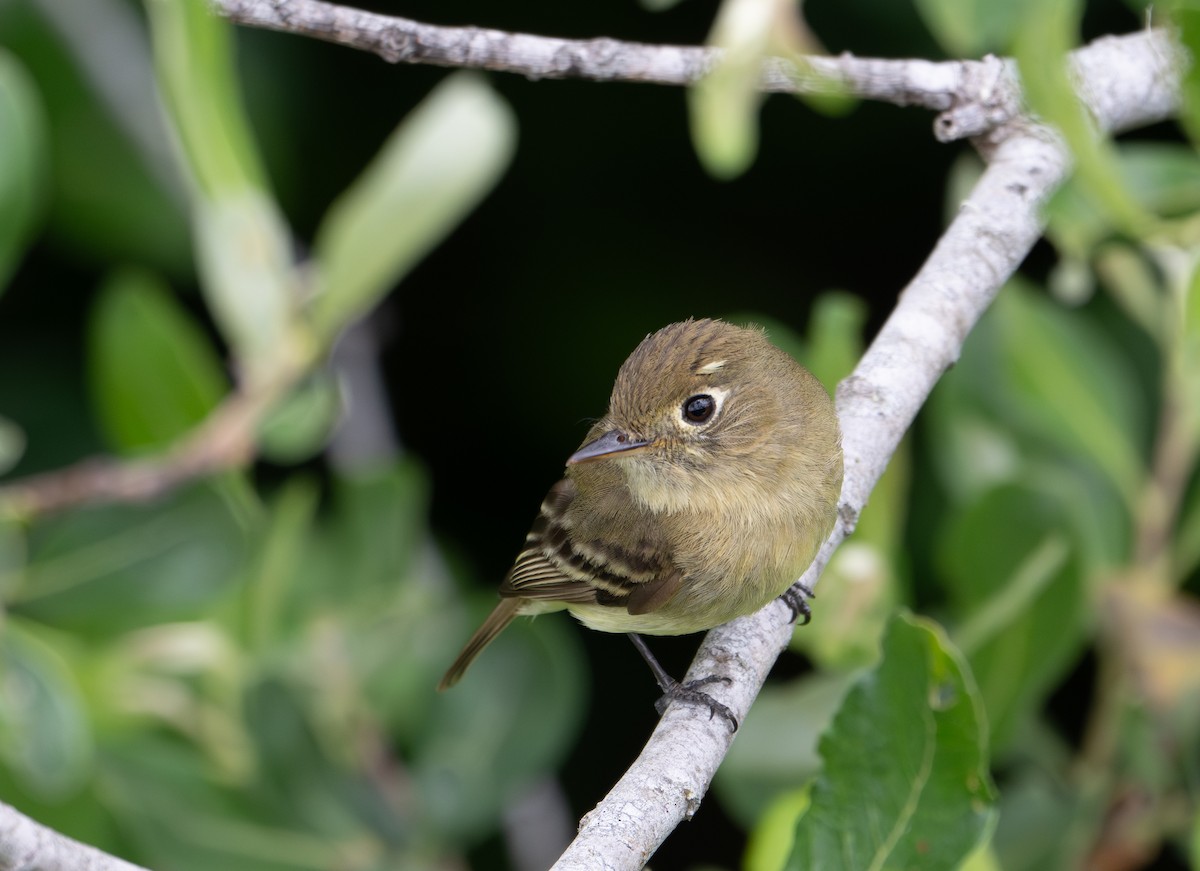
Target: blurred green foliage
[(239, 675)]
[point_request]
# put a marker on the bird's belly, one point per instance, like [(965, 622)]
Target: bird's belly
[(696, 608), (665, 621)]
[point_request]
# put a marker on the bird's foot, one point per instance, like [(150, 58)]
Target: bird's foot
[(689, 693), (796, 598)]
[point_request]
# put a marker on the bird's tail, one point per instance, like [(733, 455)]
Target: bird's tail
[(500, 617)]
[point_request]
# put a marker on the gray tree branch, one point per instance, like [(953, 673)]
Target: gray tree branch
[(29, 846)]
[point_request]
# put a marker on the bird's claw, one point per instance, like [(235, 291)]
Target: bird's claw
[(796, 598), (689, 693)]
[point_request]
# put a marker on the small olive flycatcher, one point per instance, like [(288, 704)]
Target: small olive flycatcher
[(701, 495)]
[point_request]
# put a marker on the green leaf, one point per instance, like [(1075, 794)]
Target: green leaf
[(983, 859), (906, 782), (991, 424), (1186, 17), (770, 842), (153, 374), (435, 168), (1065, 382), (1048, 30), (1009, 604), (860, 587), (284, 549), (102, 571), (193, 53), (1186, 541), (44, 734), (1184, 359), (378, 528), (512, 720), (776, 750), (243, 244), (179, 815), (835, 336), (23, 172), (13, 554), (970, 28), (110, 198), (973, 452), (301, 424), (1039, 820), (858, 592), (1017, 589), (1136, 286), (1161, 178), (375, 588)]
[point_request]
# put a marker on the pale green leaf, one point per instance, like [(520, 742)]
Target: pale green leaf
[(193, 53), (435, 168), (983, 859), (1047, 31), (104, 570), (724, 105), (243, 244), (243, 253), (771, 840)]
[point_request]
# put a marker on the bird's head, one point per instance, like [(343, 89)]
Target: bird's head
[(702, 411)]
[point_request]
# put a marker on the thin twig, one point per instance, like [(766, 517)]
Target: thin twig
[(225, 440), (401, 40), (972, 97)]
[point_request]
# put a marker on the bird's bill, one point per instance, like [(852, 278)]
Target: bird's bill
[(612, 442)]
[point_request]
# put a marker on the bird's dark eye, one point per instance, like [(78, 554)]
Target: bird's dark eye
[(698, 409)]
